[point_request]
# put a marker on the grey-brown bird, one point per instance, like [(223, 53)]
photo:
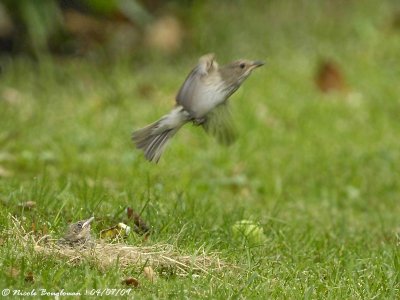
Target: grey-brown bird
[(202, 99), (78, 234)]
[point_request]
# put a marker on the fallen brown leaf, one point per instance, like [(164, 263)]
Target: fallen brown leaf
[(131, 281), (329, 77), (129, 212), (140, 225), (29, 277)]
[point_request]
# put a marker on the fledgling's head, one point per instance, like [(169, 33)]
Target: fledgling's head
[(235, 73), (79, 231)]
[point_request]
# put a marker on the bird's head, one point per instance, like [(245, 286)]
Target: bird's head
[(236, 72), (79, 231)]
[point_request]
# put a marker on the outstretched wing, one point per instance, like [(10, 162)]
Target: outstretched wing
[(219, 123), (191, 85)]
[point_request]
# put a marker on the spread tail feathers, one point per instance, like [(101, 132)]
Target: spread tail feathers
[(153, 138)]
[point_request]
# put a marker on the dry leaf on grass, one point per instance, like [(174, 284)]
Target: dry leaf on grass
[(131, 281), (29, 278), (140, 225), (329, 77)]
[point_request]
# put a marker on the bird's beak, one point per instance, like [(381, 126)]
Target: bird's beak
[(257, 63), (87, 222)]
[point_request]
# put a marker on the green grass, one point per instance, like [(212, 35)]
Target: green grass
[(319, 173)]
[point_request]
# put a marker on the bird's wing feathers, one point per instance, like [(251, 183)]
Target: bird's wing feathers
[(191, 84), (219, 123)]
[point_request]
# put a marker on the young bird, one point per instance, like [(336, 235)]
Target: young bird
[(78, 234), (202, 99)]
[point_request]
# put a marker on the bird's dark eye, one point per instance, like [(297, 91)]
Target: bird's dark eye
[(242, 65), (79, 225)]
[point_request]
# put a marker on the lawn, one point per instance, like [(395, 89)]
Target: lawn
[(318, 172)]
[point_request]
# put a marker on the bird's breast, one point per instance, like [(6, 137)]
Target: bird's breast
[(207, 97)]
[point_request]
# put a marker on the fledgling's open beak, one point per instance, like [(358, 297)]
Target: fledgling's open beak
[(257, 63), (87, 222)]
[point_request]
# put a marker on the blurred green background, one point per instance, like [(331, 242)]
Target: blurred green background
[(316, 164)]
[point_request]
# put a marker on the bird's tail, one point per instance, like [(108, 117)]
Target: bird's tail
[(153, 138)]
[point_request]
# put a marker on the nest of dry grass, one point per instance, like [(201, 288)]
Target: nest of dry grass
[(161, 257)]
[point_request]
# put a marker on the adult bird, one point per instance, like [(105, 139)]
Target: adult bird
[(203, 100)]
